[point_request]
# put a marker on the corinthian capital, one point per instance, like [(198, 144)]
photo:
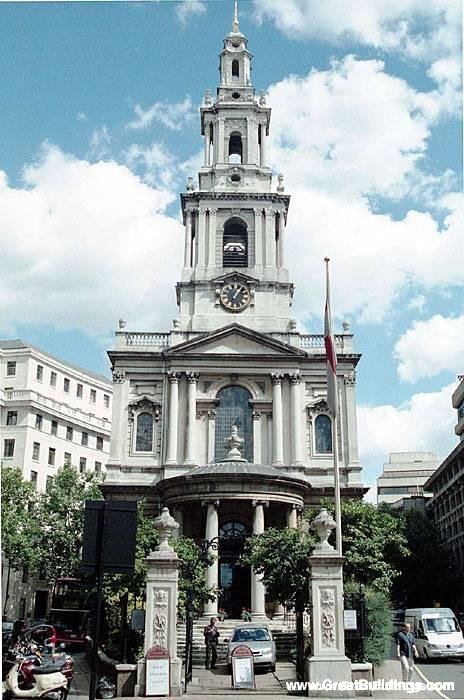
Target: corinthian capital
[(192, 377), (277, 378)]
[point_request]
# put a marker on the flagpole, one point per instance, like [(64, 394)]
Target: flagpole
[(334, 408)]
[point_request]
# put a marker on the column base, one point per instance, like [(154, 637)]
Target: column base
[(277, 464), (189, 463), (259, 616), (335, 669)]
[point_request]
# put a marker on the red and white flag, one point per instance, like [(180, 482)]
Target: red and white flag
[(330, 354)]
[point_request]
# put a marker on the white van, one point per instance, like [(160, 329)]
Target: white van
[(437, 632)]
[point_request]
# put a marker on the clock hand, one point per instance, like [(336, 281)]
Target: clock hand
[(235, 295)]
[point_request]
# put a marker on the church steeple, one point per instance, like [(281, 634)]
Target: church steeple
[(235, 221)]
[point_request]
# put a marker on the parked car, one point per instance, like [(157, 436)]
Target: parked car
[(437, 632), (258, 638)]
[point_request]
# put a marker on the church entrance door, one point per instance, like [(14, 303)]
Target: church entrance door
[(234, 579)]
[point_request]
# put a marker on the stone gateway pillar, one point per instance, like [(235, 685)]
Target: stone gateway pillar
[(328, 658), (161, 605)]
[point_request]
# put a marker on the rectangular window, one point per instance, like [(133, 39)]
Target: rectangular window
[(93, 396), (48, 486), (79, 390), (38, 421), (40, 373), (54, 427), (8, 448), (11, 368), (34, 478), (67, 458), (51, 456), (106, 400), (69, 432), (12, 418), (66, 385), (36, 451), (98, 468), (82, 464), (99, 442), (84, 439), (52, 378)]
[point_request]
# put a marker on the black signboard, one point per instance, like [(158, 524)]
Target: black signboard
[(109, 527)]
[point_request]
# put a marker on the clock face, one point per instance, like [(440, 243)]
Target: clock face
[(235, 296)]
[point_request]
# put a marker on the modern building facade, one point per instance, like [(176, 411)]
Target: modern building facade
[(51, 412), (404, 476), (447, 502), (224, 418)]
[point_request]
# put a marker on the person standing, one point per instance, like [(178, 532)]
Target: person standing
[(406, 650), (211, 635)]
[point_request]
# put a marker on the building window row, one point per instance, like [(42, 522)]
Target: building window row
[(11, 368), (11, 371)]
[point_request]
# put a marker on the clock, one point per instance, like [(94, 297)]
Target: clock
[(235, 296)]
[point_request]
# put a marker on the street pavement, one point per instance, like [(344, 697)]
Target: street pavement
[(268, 685)]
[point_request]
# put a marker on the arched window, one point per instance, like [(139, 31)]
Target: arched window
[(323, 434), (234, 409), (144, 435), (235, 243), (235, 148), (235, 68)]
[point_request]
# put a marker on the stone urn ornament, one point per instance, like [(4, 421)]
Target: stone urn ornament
[(165, 524), (234, 441), (323, 524)]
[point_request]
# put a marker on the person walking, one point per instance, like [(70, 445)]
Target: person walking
[(406, 650), (211, 634)]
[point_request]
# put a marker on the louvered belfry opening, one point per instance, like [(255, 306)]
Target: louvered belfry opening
[(235, 243)]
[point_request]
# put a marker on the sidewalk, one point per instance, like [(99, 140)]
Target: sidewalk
[(268, 685)]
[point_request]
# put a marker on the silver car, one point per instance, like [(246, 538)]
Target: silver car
[(258, 638)]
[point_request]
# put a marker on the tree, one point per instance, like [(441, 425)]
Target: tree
[(192, 576), (19, 524), (60, 516), (281, 556), (426, 573)]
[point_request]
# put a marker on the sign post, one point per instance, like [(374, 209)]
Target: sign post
[(157, 680), (243, 673)]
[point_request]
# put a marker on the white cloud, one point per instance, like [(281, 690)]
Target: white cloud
[(417, 303), (186, 9), (423, 30), (100, 144), (374, 257), (81, 117), (424, 423), (84, 244), (346, 121), (156, 162), (172, 115), (429, 347)]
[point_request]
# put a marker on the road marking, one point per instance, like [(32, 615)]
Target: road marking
[(424, 678)]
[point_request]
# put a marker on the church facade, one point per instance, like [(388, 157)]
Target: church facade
[(224, 418)]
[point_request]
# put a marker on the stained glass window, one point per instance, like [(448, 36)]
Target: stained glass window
[(323, 434), (144, 438), (234, 409)]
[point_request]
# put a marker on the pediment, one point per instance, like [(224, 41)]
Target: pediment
[(235, 276), (235, 340)]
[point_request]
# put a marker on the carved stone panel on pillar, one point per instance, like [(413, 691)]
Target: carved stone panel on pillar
[(256, 415), (295, 380)]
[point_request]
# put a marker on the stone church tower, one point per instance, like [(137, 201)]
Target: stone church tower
[(233, 358)]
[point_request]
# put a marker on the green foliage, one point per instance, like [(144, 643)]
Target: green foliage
[(19, 524), (281, 556), (379, 626), (426, 573), (60, 517), (192, 576)]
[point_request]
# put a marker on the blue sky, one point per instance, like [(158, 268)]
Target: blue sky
[(99, 130)]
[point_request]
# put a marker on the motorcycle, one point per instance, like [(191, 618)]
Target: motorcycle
[(48, 681), (34, 657)]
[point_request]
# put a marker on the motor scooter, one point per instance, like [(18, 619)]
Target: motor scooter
[(49, 683)]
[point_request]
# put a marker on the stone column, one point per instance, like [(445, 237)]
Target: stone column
[(211, 435), (201, 236), (270, 238), (352, 433), (277, 427), (220, 143), (281, 255), (328, 658), (188, 239), (211, 532), (258, 236), (192, 378), (296, 418), (207, 144), (269, 433), (258, 607), (178, 515), (293, 517), (161, 603), (256, 437), (212, 237), (174, 378), (262, 160)]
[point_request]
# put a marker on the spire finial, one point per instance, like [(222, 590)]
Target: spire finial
[(235, 22)]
